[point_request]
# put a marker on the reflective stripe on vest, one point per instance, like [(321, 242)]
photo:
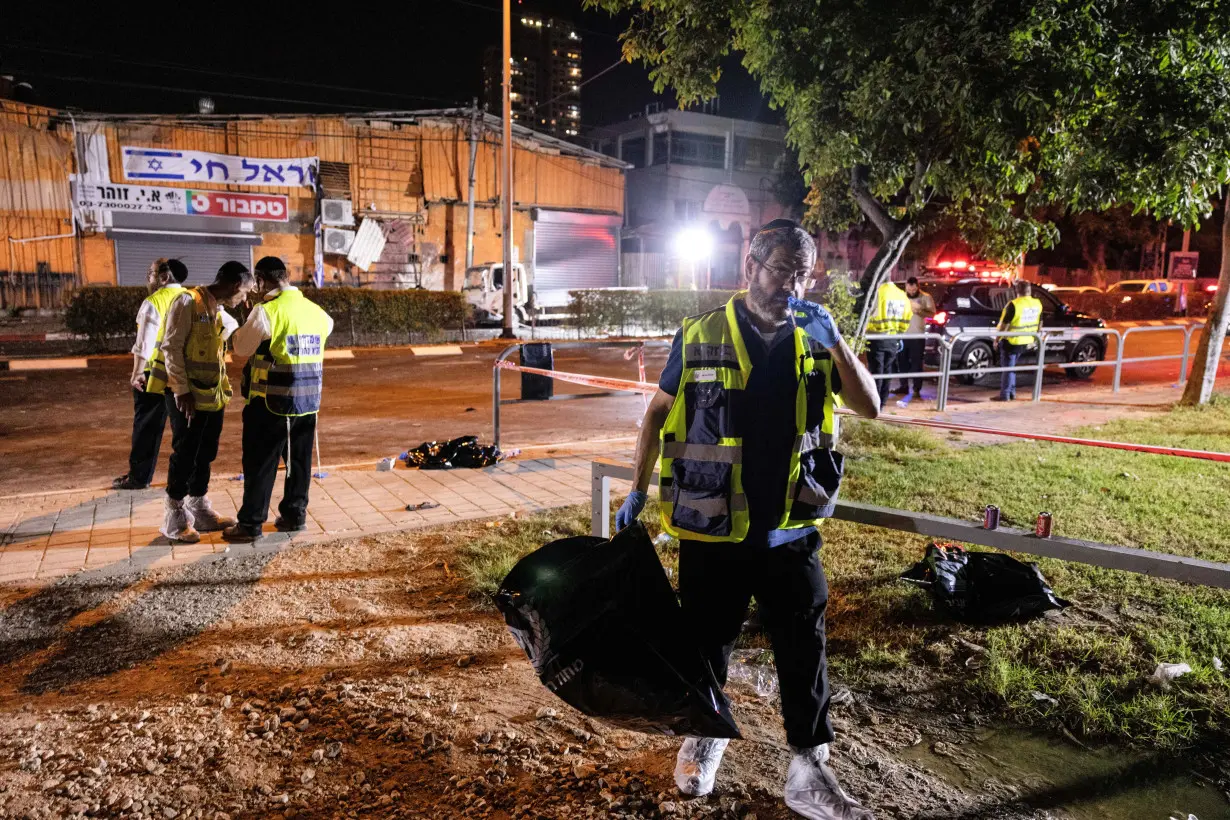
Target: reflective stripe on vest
[(701, 469), (205, 356), (1026, 318), (893, 311), (156, 366), (287, 372)]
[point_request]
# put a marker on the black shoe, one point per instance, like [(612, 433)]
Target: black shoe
[(241, 534), (1002, 398), (288, 526), (901, 391), (127, 482)]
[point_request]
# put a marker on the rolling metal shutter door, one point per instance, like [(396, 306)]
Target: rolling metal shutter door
[(134, 252), (573, 251)]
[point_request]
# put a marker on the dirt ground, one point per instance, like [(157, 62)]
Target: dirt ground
[(355, 678)]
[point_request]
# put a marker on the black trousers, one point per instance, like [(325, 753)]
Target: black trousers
[(194, 446), (149, 420), (911, 361), (264, 446), (716, 584), (881, 356)]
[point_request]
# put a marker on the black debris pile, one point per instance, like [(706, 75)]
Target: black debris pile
[(459, 452), (600, 623), (982, 587)]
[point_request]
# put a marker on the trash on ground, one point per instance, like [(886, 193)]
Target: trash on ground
[(662, 540), (982, 587), (320, 474), (459, 452), (842, 697), (1042, 697), (1166, 672), (385, 464), (746, 667), (422, 505), (603, 629), (237, 477), (1217, 664)]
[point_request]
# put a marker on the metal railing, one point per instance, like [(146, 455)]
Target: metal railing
[(496, 400), (1109, 556)]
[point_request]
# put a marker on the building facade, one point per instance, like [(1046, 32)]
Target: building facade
[(374, 200), (546, 76), (695, 177)]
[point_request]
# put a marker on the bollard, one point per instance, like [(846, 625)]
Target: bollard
[(533, 386)]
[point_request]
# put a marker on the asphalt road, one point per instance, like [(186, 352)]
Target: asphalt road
[(70, 428)]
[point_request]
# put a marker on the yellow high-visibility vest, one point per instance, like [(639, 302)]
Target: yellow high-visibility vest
[(1026, 318), (205, 356), (287, 369), (893, 311), (701, 467), (156, 366)]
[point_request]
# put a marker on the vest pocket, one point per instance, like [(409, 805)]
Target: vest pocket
[(708, 412), (701, 501), (820, 473)]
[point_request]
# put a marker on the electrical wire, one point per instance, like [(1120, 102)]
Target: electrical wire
[(155, 87), (581, 85), (88, 55)]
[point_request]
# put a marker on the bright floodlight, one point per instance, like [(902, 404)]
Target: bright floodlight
[(693, 243)]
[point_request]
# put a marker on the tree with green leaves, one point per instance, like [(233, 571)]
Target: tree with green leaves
[(986, 114)]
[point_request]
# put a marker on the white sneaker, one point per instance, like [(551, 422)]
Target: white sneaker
[(697, 764), (204, 518), (812, 790), (177, 523)]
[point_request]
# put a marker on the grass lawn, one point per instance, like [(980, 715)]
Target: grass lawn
[(1094, 659)]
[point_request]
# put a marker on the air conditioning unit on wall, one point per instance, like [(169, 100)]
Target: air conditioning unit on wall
[(338, 241), (336, 212)]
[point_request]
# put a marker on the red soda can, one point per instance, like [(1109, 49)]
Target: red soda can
[(1042, 528), (990, 517)]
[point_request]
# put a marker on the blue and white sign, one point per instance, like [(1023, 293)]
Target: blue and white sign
[(162, 164)]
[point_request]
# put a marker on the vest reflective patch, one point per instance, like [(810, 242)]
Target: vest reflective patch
[(304, 344)]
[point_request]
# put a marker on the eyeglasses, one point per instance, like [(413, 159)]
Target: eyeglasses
[(800, 277)]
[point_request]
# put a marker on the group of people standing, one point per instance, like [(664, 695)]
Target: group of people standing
[(180, 373), (899, 312)]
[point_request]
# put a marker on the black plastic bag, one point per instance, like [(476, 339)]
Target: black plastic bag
[(459, 452), (601, 625), (982, 587)]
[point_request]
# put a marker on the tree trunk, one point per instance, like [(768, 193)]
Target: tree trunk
[(895, 236), (1199, 387)]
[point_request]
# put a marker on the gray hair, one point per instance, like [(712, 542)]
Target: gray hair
[(1022, 287), (784, 234)]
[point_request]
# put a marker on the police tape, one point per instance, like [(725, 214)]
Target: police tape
[(650, 387)]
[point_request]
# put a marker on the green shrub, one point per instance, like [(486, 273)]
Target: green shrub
[(107, 315)]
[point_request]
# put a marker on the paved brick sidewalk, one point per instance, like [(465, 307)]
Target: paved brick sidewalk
[(49, 536)]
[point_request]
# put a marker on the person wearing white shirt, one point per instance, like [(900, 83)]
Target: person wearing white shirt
[(285, 337), (198, 390), (149, 408)]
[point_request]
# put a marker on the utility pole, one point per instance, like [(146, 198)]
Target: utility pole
[(507, 162), (470, 197)]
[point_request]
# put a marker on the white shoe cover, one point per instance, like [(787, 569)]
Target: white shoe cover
[(812, 790), (697, 764), (177, 522), (204, 518)]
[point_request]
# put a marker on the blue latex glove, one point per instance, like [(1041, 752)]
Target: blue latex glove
[(815, 321), (631, 510)]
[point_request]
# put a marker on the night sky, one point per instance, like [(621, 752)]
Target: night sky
[(289, 57)]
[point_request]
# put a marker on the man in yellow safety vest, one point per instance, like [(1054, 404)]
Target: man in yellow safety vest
[(892, 315), (1024, 315), (194, 349), (285, 336), (744, 421), (149, 375)]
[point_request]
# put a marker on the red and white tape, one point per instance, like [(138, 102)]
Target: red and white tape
[(650, 387)]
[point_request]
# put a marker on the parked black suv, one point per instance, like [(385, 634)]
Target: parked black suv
[(973, 305)]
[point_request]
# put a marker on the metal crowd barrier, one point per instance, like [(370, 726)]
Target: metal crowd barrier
[(508, 351), (1109, 556)]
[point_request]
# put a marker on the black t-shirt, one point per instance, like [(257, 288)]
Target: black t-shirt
[(764, 415)]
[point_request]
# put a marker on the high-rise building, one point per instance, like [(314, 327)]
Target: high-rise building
[(546, 76)]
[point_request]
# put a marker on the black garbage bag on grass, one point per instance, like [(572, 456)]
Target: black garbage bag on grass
[(601, 625), (982, 587), (459, 452)]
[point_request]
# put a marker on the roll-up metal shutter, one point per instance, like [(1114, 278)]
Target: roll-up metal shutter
[(575, 250), (202, 255)]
